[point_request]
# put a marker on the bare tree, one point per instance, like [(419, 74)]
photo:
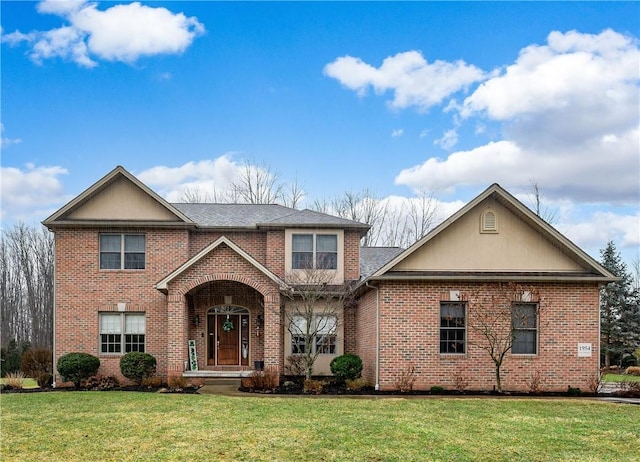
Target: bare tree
[(544, 212), (314, 313), (501, 317), (394, 221), (256, 184), (292, 194), (194, 195), (26, 285)]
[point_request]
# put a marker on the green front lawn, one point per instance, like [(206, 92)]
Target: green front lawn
[(620, 378), (127, 426)]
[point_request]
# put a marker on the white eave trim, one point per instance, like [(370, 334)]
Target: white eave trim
[(163, 284)]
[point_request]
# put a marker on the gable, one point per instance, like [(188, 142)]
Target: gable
[(513, 246), (118, 198), (494, 237), (121, 200), (200, 256)]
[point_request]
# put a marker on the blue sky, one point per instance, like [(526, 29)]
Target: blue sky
[(446, 98)]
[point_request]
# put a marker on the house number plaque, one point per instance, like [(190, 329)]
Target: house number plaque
[(584, 350)]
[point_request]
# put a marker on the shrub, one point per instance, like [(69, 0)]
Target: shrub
[(535, 382), (76, 367), (595, 383), (460, 381), (177, 382), (632, 370), (265, 380), (346, 367), (15, 380), (628, 361), (356, 384), (38, 364), (406, 380), (313, 386), (102, 383), (154, 382), (12, 356), (295, 365), (571, 391), (137, 366), (437, 390)]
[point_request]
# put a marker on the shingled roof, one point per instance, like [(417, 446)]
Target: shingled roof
[(374, 258), (262, 216)]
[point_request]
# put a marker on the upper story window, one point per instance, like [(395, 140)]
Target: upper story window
[(122, 251), (314, 251)]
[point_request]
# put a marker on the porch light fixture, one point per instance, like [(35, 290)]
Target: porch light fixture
[(196, 320), (259, 324)]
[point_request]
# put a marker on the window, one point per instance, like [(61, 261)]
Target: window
[(323, 327), (452, 327), (524, 318), (122, 251), (114, 325), (314, 251)]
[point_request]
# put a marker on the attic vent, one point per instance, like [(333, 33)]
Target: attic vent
[(488, 222)]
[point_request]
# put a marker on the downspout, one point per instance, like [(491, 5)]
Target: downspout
[(377, 387), (53, 341)]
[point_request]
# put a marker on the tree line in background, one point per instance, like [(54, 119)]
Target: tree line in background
[(27, 258)]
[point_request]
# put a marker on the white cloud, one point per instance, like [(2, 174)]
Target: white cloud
[(449, 139), (119, 33), (413, 80), (6, 142), (210, 178), (397, 132), (28, 193), (570, 119)]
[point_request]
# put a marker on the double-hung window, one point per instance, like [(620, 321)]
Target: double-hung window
[(322, 333), (452, 327), (314, 251), (122, 251), (122, 332), (524, 319)]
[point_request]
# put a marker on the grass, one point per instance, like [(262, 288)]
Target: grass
[(620, 378), (130, 426), (28, 382)]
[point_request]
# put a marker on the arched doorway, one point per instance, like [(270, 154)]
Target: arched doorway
[(228, 336)]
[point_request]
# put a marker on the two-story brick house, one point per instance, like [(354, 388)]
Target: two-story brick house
[(205, 288)]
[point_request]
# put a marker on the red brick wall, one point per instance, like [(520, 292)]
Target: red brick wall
[(83, 291), (409, 325)]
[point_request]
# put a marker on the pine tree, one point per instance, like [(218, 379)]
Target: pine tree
[(619, 310)]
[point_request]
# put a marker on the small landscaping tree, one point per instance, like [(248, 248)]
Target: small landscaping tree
[(76, 367), (137, 366), (500, 316), (314, 314)]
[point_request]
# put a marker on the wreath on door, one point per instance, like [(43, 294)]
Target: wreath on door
[(227, 326)]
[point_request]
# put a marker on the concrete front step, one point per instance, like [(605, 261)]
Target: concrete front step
[(224, 386), (224, 382)]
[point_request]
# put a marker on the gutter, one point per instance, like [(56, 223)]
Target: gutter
[(377, 387)]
